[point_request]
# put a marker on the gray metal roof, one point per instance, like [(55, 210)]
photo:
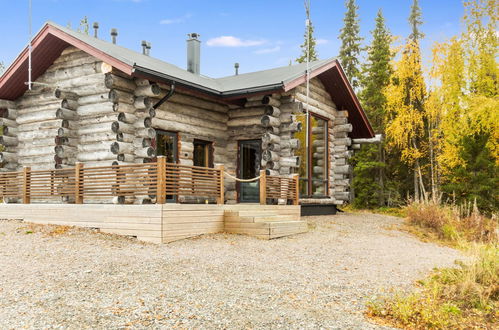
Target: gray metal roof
[(243, 83)]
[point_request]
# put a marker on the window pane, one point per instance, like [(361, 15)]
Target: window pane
[(318, 139), (202, 154), (302, 153), (166, 145)]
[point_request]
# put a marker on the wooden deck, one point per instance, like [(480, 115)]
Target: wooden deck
[(163, 223)]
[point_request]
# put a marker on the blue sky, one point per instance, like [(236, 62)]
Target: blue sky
[(259, 34)]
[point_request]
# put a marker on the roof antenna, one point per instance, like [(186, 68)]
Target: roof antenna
[(29, 46), (114, 34), (96, 28), (148, 48), (307, 73), (236, 66), (144, 47)]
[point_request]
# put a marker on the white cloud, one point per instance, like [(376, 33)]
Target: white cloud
[(321, 41), (230, 41), (267, 50), (174, 20)]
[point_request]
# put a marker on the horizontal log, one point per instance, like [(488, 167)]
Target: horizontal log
[(117, 96), (65, 94), (62, 113), (247, 112), (93, 98), (148, 152), (143, 122), (121, 147), (273, 165), (190, 129), (106, 127), (8, 157), (342, 142), (8, 141), (126, 158), (142, 102), (376, 139), (342, 128), (244, 121), (96, 109), (270, 155), (343, 195), (152, 90), (8, 113), (127, 118), (342, 169), (112, 81), (146, 132), (8, 122), (270, 138), (295, 108), (172, 109), (96, 156), (268, 121), (269, 100), (98, 137), (95, 147), (125, 137)]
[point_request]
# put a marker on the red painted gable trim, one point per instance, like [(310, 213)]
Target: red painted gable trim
[(37, 42), (302, 79), (354, 98)]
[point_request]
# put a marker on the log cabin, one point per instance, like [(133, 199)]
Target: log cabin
[(95, 104)]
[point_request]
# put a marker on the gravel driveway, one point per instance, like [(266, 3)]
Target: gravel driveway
[(81, 279)]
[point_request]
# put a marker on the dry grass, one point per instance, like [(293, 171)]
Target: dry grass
[(464, 297), (449, 224)]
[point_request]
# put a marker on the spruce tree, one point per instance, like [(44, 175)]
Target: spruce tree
[(308, 35), (369, 163), (376, 74), (415, 21), (2, 67), (351, 43)]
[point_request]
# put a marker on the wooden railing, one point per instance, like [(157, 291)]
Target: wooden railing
[(279, 187), (159, 180)]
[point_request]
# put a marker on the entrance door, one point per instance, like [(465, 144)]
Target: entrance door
[(166, 144), (249, 155)]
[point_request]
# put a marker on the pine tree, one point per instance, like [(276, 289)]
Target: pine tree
[(308, 35), (2, 67), (84, 26), (351, 43), (369, 162), (415, 21)]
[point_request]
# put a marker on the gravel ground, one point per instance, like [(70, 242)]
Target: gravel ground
[(53, 278)]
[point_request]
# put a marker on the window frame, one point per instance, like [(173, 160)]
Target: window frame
[(209, 156), (309, 154)]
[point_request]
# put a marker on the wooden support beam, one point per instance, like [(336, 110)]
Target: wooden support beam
[(263, 187), (78, 183), (296, 179), (221, 197), (161, 180), (26, 184)]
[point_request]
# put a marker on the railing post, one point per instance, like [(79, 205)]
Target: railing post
[(26, 184), (78, 183), (161, 180), (221, 197), (296, 179), (263, 187)]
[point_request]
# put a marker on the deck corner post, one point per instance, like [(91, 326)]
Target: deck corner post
[(263, 187), (296, 199), (161, 180), (26, 185), (78, 183), (221, 197)]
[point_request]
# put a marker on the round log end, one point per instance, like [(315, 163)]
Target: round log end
[(115, 148), (115, 127)]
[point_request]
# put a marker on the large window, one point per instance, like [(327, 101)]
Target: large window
[(313, 168)]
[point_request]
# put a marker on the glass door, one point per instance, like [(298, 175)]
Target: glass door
[(166, 144), (249, 155)]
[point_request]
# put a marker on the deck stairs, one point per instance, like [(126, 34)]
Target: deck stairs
[(264, 221)]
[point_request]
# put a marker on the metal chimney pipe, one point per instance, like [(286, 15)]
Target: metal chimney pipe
[(236, 66), (114, 34), (96, 28), (193, 53), (148, 48), (144, 46)]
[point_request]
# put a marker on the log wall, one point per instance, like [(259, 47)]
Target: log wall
[(82, 110)]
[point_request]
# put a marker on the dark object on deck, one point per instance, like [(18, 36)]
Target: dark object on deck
[(318, 209)]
